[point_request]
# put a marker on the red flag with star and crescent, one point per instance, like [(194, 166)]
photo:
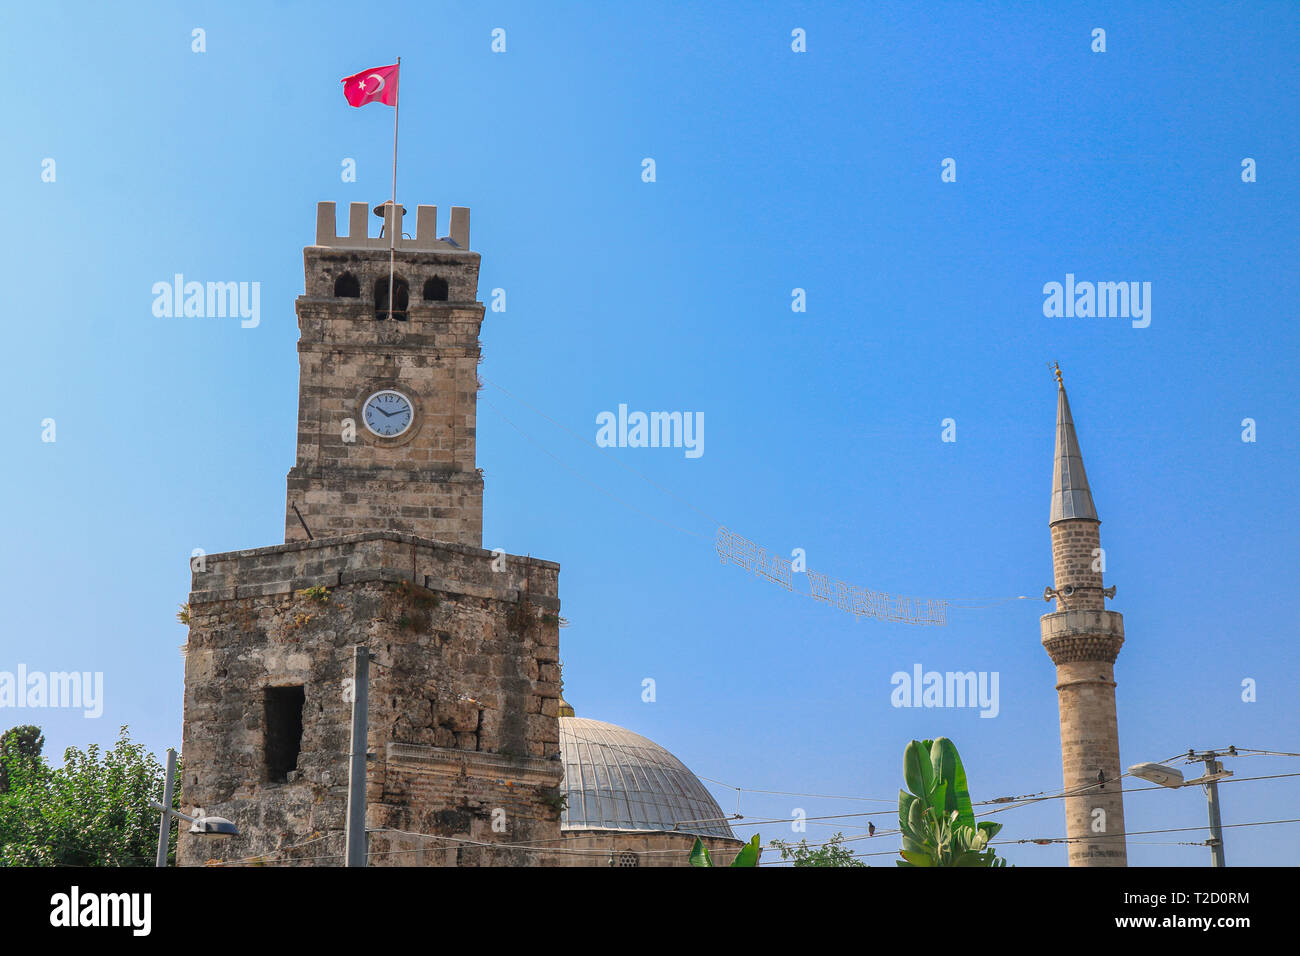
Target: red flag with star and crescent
[(371, 85)]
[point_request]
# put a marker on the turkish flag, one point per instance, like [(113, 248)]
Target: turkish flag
[(371, 85)]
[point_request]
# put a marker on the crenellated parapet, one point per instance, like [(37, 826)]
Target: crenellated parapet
[(426, 228)]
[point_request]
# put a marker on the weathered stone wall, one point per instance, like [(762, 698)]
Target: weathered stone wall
[(463, 672), (1072, 559), (1083, 639), (444, 506), (425, 481), (441, 807), (594, 847), (1094, 816)]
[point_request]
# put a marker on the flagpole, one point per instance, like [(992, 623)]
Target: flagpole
[(392, 238)]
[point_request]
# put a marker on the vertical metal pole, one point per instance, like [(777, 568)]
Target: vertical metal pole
[(392, 239), (1216, 823), (355, 851), (165, 827)]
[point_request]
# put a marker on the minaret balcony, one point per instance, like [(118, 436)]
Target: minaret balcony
[(1082, 635)]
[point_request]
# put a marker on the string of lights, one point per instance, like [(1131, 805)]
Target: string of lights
[(718, 524)]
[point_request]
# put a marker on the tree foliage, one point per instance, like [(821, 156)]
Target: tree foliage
[(92, 811), (831, 853), (23, 744)]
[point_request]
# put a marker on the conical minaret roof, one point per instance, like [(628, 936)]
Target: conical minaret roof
[(1071, 496)]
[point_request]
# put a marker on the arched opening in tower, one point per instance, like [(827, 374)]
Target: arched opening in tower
[(435, 290), (400, 299), (346, 286)]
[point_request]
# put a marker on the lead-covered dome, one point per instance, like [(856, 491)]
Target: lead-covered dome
[(618, 780)]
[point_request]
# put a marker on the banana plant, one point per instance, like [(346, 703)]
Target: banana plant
[(748, 855), (935, 817)]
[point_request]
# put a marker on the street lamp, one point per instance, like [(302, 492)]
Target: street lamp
[(1158, 773), (202, 825), (1173, 778)]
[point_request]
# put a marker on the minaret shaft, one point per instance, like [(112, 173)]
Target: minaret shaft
[(1083, 639)]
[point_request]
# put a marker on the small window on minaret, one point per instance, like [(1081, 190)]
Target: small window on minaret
[(435, 290), (400, 297), (283, 731), (346, 286)]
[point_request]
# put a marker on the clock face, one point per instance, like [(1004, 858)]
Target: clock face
[(388, 413)]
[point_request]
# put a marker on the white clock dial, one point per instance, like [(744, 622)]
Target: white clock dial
[(388, 413)]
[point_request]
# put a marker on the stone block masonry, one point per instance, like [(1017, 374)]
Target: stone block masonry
[(424, 481), (1074, 544), (1083, 640), (464, 694), (1083, 644), (637, 848)]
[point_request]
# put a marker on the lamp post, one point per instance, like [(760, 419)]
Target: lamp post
[(202, 824), (1173, 778), (355, 840)]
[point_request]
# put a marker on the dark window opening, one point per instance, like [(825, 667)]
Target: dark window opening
[(435, 290), (346, 286), (400, 297), (283, 731)]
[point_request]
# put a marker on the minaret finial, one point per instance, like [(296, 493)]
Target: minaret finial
[(1057, 366)]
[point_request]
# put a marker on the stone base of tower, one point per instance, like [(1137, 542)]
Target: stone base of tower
[(1083, 645), (464, 701)]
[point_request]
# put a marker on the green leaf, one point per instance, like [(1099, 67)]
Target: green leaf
[(748, 855), (916, 859), (947, 764), (700, 854), (917, 771), (905, 802), (939, 797)]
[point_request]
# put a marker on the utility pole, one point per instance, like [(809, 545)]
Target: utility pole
[(164, 828), (1213, 773), (355, 847)]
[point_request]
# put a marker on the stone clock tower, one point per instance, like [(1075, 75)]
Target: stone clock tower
[(463, 746), (386, 396)]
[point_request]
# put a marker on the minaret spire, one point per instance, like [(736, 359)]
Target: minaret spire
[(1071, 496)]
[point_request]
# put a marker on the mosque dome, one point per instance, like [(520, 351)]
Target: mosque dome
[(618, 780)]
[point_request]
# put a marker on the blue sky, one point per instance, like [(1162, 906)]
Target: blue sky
[(775, 170)]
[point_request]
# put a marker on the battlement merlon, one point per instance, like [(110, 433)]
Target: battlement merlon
[(426, 228)]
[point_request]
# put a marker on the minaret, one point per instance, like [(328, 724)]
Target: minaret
[(1083, 639)]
